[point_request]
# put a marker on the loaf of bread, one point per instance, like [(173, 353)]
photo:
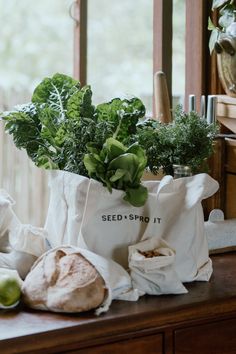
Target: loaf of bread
[(63, 281)]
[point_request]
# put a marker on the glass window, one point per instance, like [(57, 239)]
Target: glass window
[(36, 41), (178, 60), (120, 49)]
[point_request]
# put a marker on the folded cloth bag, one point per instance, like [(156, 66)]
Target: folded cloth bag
[(83, 213), (7, 219), (70, 279), (152, 268), (20, 244)]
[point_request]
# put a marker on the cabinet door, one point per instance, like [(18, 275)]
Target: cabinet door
[(230, 178), (213, 338), (230, 155), (230, 207), (143, 345)]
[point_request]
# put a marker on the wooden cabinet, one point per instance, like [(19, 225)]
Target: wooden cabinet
[(203, 321), (230, 160), (226, 115), (230, 178), (223, 162), (216, 338), (152, 344)]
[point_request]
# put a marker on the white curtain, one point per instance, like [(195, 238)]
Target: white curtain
[(26, 183)]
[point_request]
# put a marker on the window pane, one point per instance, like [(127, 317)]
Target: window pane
[(178, 68), (120, 49), (36, 41)]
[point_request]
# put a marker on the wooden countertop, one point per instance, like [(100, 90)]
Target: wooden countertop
[(26, 331)]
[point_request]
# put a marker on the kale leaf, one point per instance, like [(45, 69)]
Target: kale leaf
[(124, 114), (61, 129)]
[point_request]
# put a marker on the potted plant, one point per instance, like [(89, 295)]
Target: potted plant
[(223, 42)]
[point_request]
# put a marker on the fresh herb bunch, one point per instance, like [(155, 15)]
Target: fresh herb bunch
[(59, 125), (193, 139), (227, 10), (187, 141), (156, 139)]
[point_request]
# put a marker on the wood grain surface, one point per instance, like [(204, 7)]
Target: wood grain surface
[(26, 331)]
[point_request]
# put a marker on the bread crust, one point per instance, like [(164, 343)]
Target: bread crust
[(62, 281)]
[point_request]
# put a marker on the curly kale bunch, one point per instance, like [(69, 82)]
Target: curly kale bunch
[(124, 114), (59, 122), (59, 125)]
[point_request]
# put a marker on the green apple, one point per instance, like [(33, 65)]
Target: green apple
[(9, 290)]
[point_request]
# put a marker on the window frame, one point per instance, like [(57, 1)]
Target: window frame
[(200, 67), (162, 41), (80, 40)]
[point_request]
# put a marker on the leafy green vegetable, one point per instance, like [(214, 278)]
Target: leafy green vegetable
[(218, 3), (226, 17), (215, 33), (80, 104), (24, 125), (136, 196), (119, 167), (61, 129), (40, 126), (124, 114), (55, 91)]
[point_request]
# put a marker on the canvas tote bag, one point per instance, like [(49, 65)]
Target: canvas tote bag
[(83, 213), (71, 194), (111, 224), (68, 192), (172, 212)]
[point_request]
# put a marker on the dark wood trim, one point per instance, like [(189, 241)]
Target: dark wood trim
[(80, 40), (200, 69), (195, 68), (162, 39), (217, 170)]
